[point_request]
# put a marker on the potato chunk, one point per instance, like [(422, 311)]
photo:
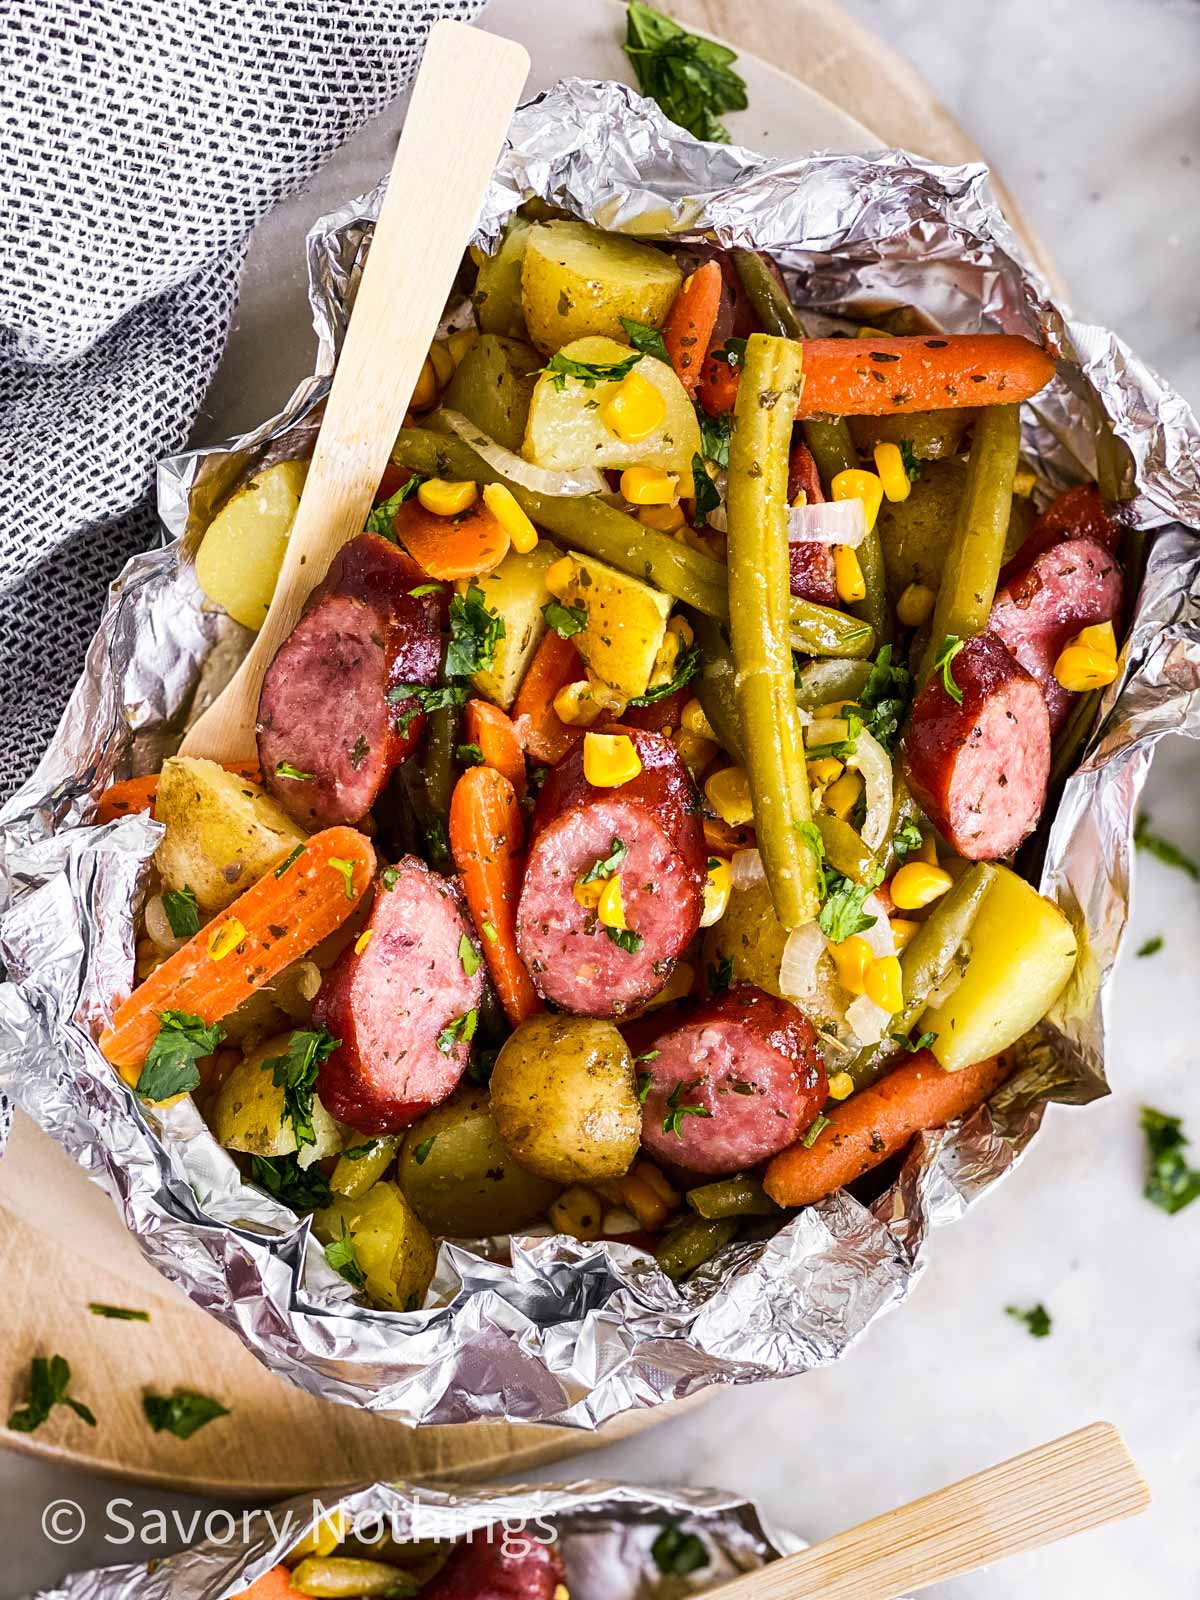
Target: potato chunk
[(392, 1247), (566, 428), (223, 832), (516, 591), (497, 297), (577, 281), (626, 621), (241, 553), (247, 1112)]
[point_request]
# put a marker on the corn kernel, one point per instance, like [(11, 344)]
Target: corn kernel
[(610, 907), (459, 343), (728, 793), (677, 987), (225, 939), (447, 499), (841, 1086), (692, 718), (902, 930), (801, 498), (425, 392), (915, 606), (848, 574), (522, 534), (1099, 636), (717, 885), (642, 1194), (917, 884), (833, 708), (578, 1211), (893, 474), (1080, 669), (610, 759), (560, 576), (852, 958), (646, 486), (588, 894), (684, 629), (363, 940), (331, 1528), (634, 410), (842, 797), (663, 519), (1024, 481), (442, 362), (873, 333), (824, 770), (695, 751), (854, 484), (575, 705), (884, 984)]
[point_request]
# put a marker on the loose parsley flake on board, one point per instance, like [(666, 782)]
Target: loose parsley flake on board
[(1169, 854), (1171, 1183), (49, 1380), (1150, 947), (1037, 1319), (117, 1313), (183, 1413), (691, 78)]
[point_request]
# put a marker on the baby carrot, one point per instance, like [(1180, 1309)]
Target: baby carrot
[(278, 920), (492, 730), (486, 837), (461, 546), (687, 332), (139, 794), (276, 1584), (545, 736)]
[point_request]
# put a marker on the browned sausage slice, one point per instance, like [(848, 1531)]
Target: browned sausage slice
[(980, 769), (391, 999)]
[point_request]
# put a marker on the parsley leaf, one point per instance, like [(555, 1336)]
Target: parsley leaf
[(461, 1030), (885, 698), (906, 839), (909, 461), (434, 697), (1169, 854), (182, 912), (589, 373), (677, 1110), (389, 877), (842, 913), (720, 976), (285, 769), (944, 661), (841, 748), (819, 1121), (810, 835), (714, 437), (380, 518), (357, 1152), (689, 665), (474, 634), (183, 1413), (566, 621), (644, 1080), (360, 752), (732, 353), (296, 1074), (1151, 947), (607, 865), (346, 868), (48, 1384), (423, 1149), (913, 1045), (1036, 1319), (468, 755), (117, 1313), (341, 1257), (289, 861), (468, 956), (691, 78), (704, 492), (302, 1188), (170, 1067), (646, 339), (1171, 1183), (626, 939)]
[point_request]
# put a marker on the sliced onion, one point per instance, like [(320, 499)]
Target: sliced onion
[(868, 1020), (831, 522), (718, 518), (825, 730), (798, 968), (880, 936), (873, 761), (542, 480), (746, 869)]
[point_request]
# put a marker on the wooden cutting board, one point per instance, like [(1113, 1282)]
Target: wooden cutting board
[(62, 1244)]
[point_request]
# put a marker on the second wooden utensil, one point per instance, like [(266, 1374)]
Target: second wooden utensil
[(463, 101)]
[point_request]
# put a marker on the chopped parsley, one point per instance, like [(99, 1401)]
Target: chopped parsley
[(714, 437), (626, 939), (1151, 947), (182, 912), (461, 1030), (644, 1081), (1037, 1319), (360, 752), (117, 1313), (841, 748), (341, 1257), (474, 634), (819, 1122), (468, 755), (810, 835), (907, 838), (389, 878), (346, 868), (1169, 854), (302, 1188), (170, 1066), (49, 1381), (842, 912), (909, 460), (285, 769), (183, 1413), (689, 665), (704, 492), (732, 353), (427, 697), (423, 1149), (885, 698), (913, 1045), (646, 339), (381, 517), (566, 621), (489, 932), (943, 662), (676, 1554), (289, 861), (589, 373), (295, 1073), (468, 956), (359, 1152), (720, 976), (607, 865), (437, 841), (423, 589), (677, 1110), (691, 78), (1171, 1183)]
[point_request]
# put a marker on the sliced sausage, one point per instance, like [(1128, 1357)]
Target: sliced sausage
[(877, 1122), (323, 711), (492, 1564), (655, 820), (980, 769), (748, 1066), (1077, 514), (1070, 586), (811, 563), (391, 999)]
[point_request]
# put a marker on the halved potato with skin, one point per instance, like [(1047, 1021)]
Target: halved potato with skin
[(626, 620), (577, 281), (566, 428), (239, 558), (516, 591), (248, 1111)]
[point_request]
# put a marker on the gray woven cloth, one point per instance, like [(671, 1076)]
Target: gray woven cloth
[(140, 141)]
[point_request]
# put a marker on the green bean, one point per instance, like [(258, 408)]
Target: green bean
[(738, 1196), (692, 1242), (335, 1577), (823, 683), (714, 684), (976, 552), (821, 631), (873, 608), (904, 809), (1072, 740), (441, 739), (846, 850), (759, 595)]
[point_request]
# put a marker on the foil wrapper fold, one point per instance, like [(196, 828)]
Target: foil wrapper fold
[(549, 1329), (603, 1533)]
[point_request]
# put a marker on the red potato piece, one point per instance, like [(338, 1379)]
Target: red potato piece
[(749, 1060), (493, 1564), (389, 1002), (980, 769), (323, 708), (877, 1122), (570, 957), (1070, 586)]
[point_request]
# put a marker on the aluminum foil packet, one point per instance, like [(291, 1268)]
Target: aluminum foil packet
[(604, 1533), (546, 1329)]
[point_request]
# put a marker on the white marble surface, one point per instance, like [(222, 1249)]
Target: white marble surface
[(1091, 106)]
